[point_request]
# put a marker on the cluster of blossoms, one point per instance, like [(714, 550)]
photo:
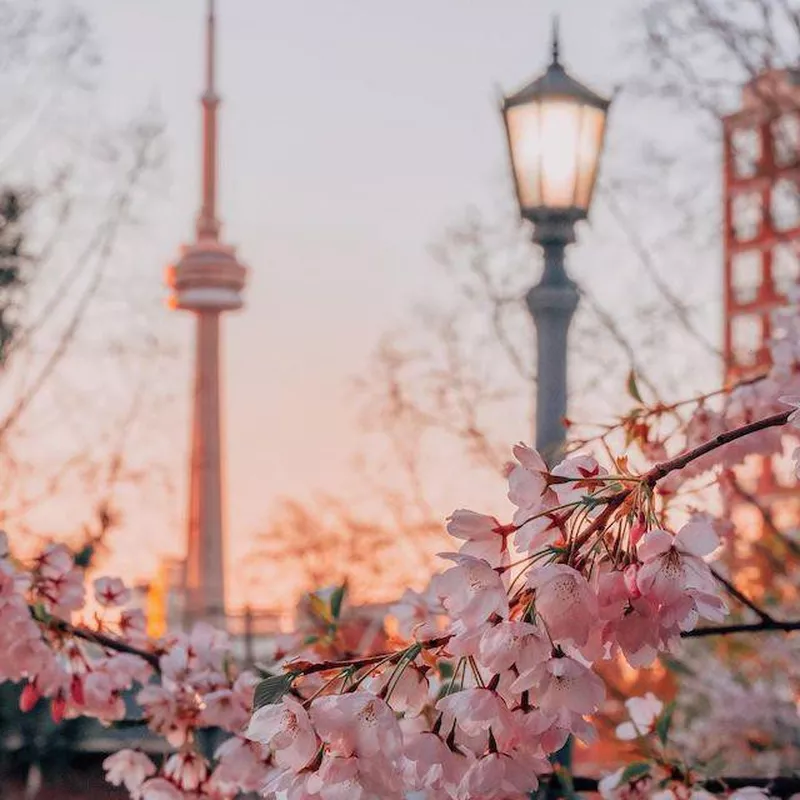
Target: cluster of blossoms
[(584, 571), (495, 669), (660, 774)]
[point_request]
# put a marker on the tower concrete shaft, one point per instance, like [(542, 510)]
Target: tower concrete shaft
[(207, 280), (205, 558)]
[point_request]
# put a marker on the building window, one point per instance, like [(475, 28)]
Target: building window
[(784, 205), (785, 267), (747, 272), (747, 216), (786, 139), (746, 335), (746, 147)]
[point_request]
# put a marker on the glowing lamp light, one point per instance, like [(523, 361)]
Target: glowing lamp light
[(555, 127)]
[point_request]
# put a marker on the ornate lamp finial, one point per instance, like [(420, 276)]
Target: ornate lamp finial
[(556, 44)]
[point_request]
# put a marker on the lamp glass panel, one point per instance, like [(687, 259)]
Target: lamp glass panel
[(560, 137), (526, 152), (545, 140), (589, 143)]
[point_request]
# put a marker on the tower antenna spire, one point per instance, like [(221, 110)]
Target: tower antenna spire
[(207, 223)]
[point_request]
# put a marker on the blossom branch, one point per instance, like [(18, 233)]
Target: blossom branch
[(663, 469), (744, 627), (103, 640), (743, 599), (306, 668)]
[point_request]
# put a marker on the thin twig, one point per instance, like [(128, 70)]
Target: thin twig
[(742, 598)]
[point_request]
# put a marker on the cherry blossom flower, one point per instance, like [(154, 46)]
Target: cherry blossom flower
[(527, 483), (111, 592), (476, 710), (584, 473), (357, 724), (241, 767), (497, 776), (508, 643), (484, 536), (159, 789), (643, 712), (407, 689), (565, 602), (128, 767), (187, 770), (428, 763), (471, 591), (539, 532), (287, 729), (564, 683), (611, 787), (672, 564)]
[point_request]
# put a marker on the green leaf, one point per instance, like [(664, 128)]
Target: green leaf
[(663, 722), (565, 779), (445, 669), (319, 608), (83, 558), (337, 598), (40, 613), (634, 771), (272, 689), (678, 667), (633, 389)]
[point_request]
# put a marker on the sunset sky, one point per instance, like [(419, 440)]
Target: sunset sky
[(352, 133)]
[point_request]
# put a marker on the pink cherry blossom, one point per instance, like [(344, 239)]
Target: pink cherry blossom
[(584, 473), (484, 536), (128, 767), (538, 533), (357, 724), (111, 592), (565, 602), (527, 484), (287, 729), (497, 776), (509, 643), (55, 562), (428, 763), (472, 591), (187, 770), (672, 564), (564, 683), (611, 787), (241, 767), (477, 710), (407, 689), (159, 789), (643, 713)]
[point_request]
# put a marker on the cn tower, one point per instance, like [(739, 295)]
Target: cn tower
[(206, 280)]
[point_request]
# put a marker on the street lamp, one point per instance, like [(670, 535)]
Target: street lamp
[(555, 127)]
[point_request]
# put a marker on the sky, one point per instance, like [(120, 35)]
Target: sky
[(352, 133)]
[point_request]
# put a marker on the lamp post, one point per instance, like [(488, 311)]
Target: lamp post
[(555, 128)]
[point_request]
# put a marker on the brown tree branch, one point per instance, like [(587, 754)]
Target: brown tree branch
[(663, 469), (764, 626)]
